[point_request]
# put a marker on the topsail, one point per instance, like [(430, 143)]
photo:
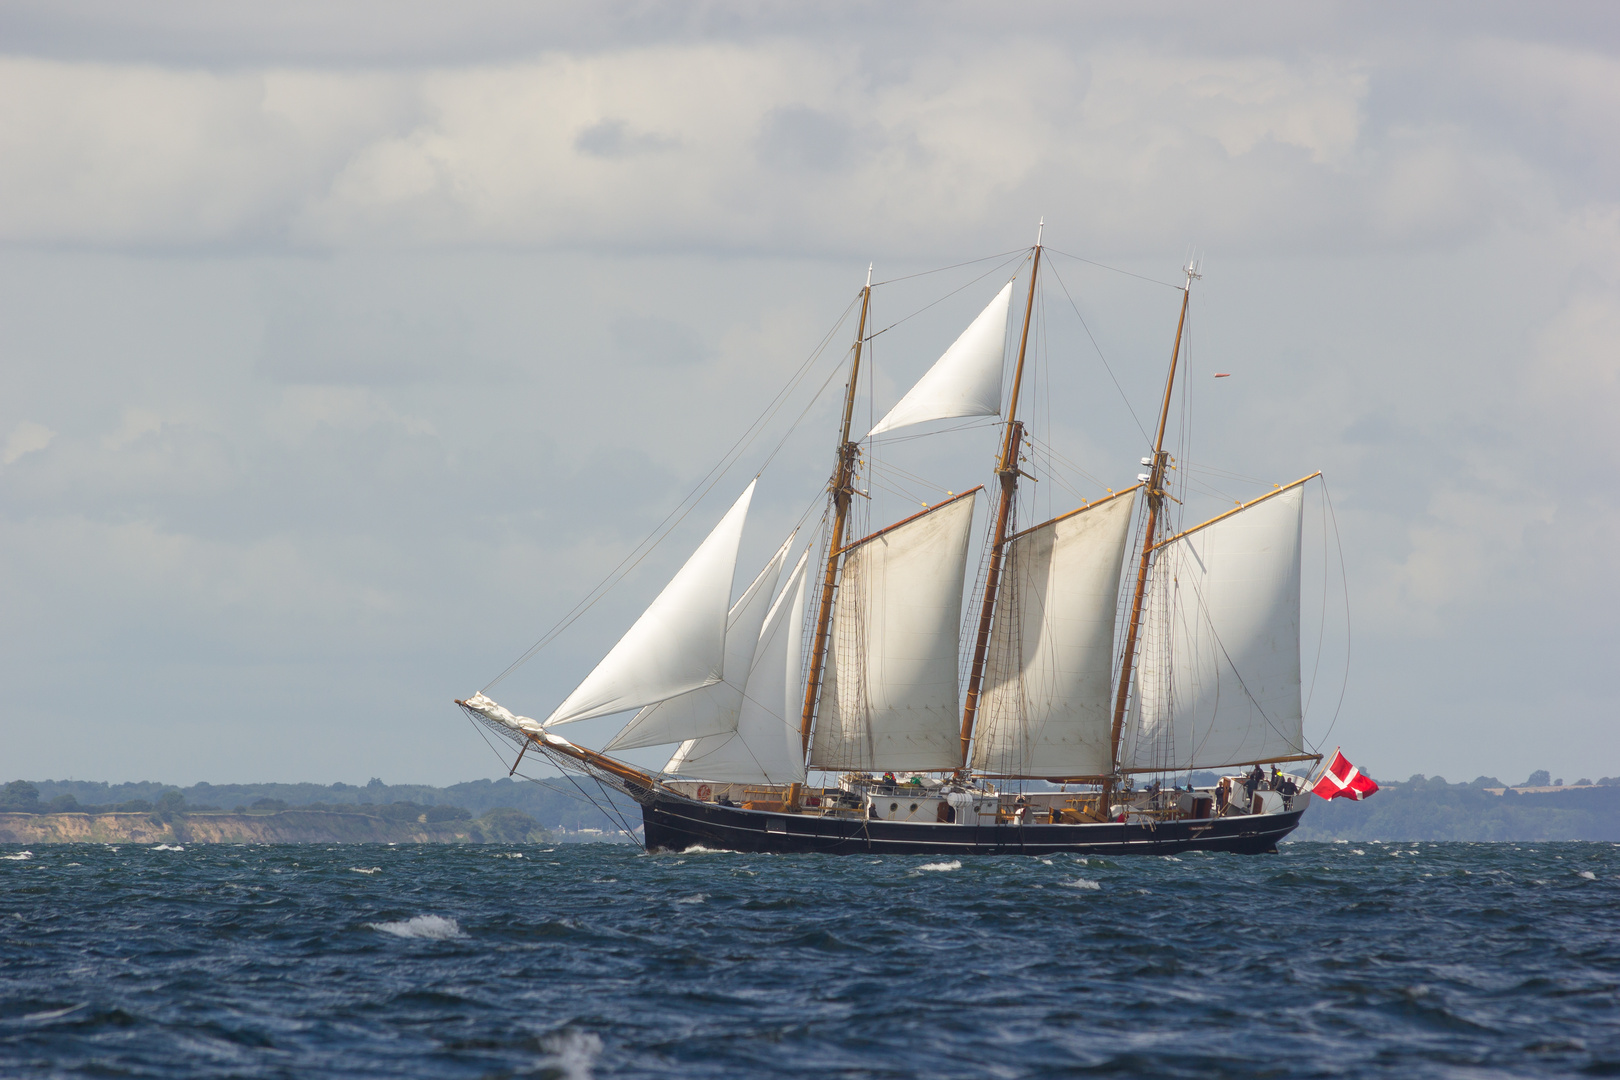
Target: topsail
[(966, 381)]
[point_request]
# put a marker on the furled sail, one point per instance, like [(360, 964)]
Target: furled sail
[(889, 697), (1217, 681), (679, 643), (1045, 707), (765, 747), (966, 381), (711, 709)]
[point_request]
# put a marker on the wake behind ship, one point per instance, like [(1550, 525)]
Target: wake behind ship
[(876, 699)]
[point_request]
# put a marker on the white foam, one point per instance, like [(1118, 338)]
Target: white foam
[(1083, 883), (166, 847), (432, 927), (699, 849), (573, 1053), (19, 856), (1357, 851), (366, 869), (1588, 875), (954, 864), (695, 898)]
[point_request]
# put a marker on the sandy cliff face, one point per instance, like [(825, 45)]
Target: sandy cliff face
[(287, 827)]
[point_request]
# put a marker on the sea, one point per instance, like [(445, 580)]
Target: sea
[(577, 961)]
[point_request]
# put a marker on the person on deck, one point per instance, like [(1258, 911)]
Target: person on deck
[(1252, 784)]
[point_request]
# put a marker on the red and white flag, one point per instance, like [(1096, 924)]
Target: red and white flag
[(1343, 778)]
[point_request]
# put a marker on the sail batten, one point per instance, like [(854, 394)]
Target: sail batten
[(890, 698), (1218, 679), (1045, 707), (764, 748), (966, 380), (678, 643), (712, 709)]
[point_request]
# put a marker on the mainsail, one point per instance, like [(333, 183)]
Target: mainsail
[(966, 381), (679, 643), (1045, 709), (712, 709), (890, 699), (765, 746), (1218, 677)]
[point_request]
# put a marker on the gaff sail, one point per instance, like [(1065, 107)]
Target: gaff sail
[(890, 698), (1217, 682)]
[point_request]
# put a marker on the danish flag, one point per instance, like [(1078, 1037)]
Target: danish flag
[(1343, 778)]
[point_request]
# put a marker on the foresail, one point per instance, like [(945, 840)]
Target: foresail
[(712, 709), (1046, 705), (679, 643), (889, 697), (765, 747), (966, 381), (1217, 681)]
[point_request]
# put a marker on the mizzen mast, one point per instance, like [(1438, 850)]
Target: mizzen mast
[(1007, 469), (843, 490), (1155, 495)]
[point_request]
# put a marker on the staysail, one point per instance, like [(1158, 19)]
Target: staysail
[(966, 380), (765, 746), (679, 643), (712, 709), (1045, 707), (1217, 682), (889, 699)]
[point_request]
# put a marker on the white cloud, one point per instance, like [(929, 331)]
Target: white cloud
[(26, 438)]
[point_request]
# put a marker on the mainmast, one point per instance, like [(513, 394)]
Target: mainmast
[(1007, 469), (1155, 496), (843, 490)]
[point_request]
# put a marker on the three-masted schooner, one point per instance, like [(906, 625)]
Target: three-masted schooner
[(1104, 651)]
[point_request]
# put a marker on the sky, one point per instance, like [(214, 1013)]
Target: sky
[(345, 348)]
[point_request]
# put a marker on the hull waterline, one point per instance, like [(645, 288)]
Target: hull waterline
[(677, 825)]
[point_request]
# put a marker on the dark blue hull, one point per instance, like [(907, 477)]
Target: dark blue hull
[(678, 824)]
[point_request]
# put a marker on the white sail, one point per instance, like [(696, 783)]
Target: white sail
[(1046, 707), (1217, 680), (679, 643), (765, 748), (889, 697), (711, 709), (966, 381)]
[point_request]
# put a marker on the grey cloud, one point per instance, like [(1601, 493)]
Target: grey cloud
[(614, 139), (648, 339)]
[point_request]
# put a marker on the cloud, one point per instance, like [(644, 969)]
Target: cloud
[(26, 438)]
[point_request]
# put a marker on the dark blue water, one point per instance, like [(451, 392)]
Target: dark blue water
[(1408, 960)]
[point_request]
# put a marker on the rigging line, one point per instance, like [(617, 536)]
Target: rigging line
[(1115, 269), (889, 440), (1122, 395), (1321, 630), (1344, 581), (953, 266), (950, 294), (653, 538)]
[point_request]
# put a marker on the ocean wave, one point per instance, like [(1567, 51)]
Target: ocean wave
[(168, 847), (432, 927), (366, 869), (695, 898), (572, 1053), (19, 856), (1083, 883), (954, 864)]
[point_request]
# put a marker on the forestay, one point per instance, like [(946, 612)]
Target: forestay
[(889, 696), (679, 643), (1045, 707), (765, 747), (1218, 676), (966, 381), (712, 709)]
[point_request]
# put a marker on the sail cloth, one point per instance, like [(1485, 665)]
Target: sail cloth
[(679, 643), (1045, 709), (966, 381), (712, 709), (889, 697), (1217, 682), (765, 748)]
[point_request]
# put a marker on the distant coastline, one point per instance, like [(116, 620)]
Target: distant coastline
[(279, 827)]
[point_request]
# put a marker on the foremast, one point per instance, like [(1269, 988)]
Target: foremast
[(1156, 494), (1008, 472), (842, 488)]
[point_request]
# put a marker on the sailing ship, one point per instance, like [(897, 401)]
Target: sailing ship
[(847, 706)]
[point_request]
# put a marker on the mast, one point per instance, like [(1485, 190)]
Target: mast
[(843, 490), (1156, 496), (1007, 470)]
